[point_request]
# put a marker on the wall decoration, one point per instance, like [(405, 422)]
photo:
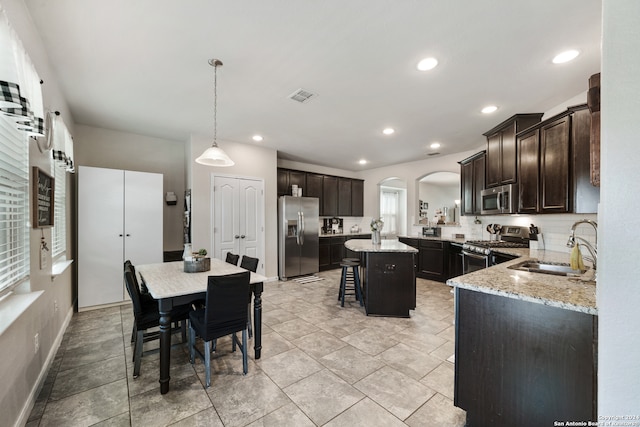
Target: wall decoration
[(42, 201)]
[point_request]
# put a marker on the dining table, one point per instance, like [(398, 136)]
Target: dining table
[(171, 286)]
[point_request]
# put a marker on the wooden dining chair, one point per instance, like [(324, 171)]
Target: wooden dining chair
[(146, 315), (225, 313)]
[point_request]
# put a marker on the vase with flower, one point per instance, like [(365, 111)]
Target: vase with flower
[(376, 228)]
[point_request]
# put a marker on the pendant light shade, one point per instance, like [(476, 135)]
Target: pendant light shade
[(214, 155)]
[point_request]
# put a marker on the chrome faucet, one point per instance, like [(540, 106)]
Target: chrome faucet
[(593, 249)]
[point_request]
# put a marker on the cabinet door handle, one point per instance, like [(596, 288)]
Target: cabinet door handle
[(128, 235), (120, 235)]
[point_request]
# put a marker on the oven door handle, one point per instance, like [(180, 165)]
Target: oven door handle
[(484, 258), (472, 255)]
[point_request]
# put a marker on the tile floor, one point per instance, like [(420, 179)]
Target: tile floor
[(321, 365)]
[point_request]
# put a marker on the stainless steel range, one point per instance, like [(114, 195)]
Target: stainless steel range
[(479, 254)]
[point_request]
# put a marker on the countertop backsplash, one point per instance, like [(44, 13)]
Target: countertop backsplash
[(554, 227)]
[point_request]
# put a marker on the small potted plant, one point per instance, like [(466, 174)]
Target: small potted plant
[(198, 263)]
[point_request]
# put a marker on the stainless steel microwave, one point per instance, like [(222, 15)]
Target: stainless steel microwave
[(500, 200)]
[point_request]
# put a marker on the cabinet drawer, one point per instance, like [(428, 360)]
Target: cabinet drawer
[(432, 244)]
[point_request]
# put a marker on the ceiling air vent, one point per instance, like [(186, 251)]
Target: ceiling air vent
[(302, 96), (432, 154)]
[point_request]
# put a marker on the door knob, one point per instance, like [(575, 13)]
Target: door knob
[(236, 237), (242, 237)]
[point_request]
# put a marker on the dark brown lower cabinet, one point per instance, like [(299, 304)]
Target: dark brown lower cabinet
[(523, 364), (432, 260), (332, 250)]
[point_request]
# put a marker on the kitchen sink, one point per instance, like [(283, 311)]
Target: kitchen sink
[(556, 268)]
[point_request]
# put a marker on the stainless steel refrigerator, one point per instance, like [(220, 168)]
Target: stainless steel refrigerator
[(298, 219)]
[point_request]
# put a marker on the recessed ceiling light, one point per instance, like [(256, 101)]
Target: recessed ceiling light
[(388, 131), (257, 138), (565, 56), (489, 109), (435, 145), (363, 162), (427, 64)]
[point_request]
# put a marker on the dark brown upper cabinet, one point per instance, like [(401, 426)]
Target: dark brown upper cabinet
[(553, 165), (344, 197), (472, 171), (287, 178), (357, 197), (337, 195), (501, 161)]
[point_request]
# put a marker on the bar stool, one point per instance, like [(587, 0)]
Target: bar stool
[(350, 281)]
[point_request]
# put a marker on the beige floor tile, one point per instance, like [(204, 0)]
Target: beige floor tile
[(365, 413), (409, 361), (437, 412), (323, 395), (394, 391), (371, 341), (318, 344), (289, 367), (351, 364), (293, 329), (207, 418), (185, 398), (88, 407), (245, 401), (287, 416), (441, 379)]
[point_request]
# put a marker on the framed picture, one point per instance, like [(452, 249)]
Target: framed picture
[(43, 202)]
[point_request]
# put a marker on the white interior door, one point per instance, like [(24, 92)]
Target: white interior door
[(250, 217), (238, 217), (143, 217), (100, 236), (226, 219)]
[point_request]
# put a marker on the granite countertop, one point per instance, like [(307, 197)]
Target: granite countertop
[(365, 245), (362, 233), (438, 238), (555, 291)]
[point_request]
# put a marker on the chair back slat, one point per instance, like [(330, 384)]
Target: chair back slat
[(226, 304), (249, 263), (133, 289), (232, 258)]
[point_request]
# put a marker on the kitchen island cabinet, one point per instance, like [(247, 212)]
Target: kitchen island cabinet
[(388, 279), (525, 348)]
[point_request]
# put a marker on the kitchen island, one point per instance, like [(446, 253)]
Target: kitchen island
[(525, 350), (388, 276)]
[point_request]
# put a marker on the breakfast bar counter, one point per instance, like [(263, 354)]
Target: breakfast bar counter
[(389, 277)]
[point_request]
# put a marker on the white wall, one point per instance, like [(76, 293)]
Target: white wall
[(618, 293), (22, 369), (250, 161), (106, 148)]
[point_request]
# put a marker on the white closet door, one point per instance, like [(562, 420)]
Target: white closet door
[(238, 218), (250, 217), (143, 211), (226, 227), (100, 239)]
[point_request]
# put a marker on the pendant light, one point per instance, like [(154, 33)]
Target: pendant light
[(214, 155)]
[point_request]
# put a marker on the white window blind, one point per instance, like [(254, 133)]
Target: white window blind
[(389, 208), (59, 230), (14, 205)]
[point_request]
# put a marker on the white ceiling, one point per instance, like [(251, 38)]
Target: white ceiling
[(141, 66)]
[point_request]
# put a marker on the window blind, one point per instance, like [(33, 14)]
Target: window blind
[(389, 204), (14, 205), (59, 230)]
